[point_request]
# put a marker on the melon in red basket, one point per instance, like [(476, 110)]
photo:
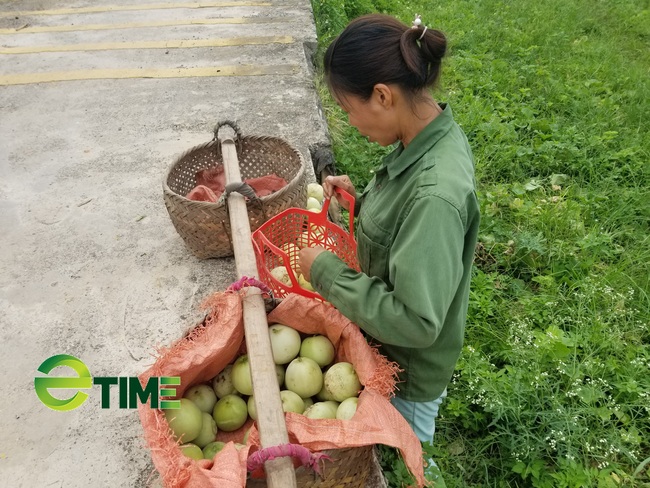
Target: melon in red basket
[(275, 243), (292, 251), (310, 237), (281, 274), (304, 283)]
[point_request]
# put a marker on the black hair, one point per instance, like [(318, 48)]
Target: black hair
[(378, 48)]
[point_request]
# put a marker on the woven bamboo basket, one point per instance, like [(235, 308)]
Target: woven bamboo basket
[(355, 467), (205, 226)]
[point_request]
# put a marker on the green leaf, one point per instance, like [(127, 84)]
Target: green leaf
[(519, 467), (559, 179), (640, 467), (532, 185)]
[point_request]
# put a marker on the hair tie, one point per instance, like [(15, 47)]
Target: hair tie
[(417, 22)]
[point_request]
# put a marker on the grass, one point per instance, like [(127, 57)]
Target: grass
[(552, 388)]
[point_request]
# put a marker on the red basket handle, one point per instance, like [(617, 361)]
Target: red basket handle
[(350, 199)]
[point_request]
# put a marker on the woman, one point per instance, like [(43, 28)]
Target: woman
[(417, 220)]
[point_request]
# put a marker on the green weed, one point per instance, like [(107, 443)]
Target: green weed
[(553, 386)]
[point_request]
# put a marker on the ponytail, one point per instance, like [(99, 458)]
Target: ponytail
[(380, 49), (423, 50)]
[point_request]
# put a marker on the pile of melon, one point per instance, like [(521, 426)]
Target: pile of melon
[(310, 382)]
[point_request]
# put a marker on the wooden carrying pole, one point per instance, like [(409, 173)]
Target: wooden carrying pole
[(270, 416)]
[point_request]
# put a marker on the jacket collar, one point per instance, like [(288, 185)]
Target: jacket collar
[(402, 158)]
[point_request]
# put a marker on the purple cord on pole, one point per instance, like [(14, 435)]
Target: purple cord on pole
[(296, 451), (246, 281)]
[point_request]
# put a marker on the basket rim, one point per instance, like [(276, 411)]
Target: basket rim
[(276, 194)]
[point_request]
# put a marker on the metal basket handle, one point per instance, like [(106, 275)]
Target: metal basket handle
[(240, 187), (233, 125)]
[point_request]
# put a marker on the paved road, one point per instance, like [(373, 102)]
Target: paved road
[(96, 100)]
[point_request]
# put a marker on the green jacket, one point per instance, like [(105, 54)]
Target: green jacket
[(416, 233)]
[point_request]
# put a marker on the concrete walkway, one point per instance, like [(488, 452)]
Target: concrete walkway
[(96, 100)]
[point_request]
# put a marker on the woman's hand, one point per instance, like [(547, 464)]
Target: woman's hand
[(342, 182), (306, 258)]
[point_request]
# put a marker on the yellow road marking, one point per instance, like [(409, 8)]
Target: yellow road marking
[(137, 25), (171, 44), (106, 74), (125, 8)]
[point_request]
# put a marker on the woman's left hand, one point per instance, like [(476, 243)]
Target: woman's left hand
[(306, 259)]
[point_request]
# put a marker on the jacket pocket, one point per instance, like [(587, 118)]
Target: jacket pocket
[(373, 248)]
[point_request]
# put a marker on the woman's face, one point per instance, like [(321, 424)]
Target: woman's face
[(370, 117)]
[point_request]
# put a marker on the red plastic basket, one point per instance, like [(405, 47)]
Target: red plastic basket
[(301, 228)]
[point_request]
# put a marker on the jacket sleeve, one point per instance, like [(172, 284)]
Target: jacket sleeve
[(425, 270)]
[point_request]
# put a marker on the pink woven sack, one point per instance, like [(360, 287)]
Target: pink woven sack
[(220, 339)]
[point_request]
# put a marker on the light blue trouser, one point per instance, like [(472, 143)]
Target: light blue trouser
[(421, 416)]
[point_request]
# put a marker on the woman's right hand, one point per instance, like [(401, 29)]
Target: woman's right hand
[(342, 182)]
